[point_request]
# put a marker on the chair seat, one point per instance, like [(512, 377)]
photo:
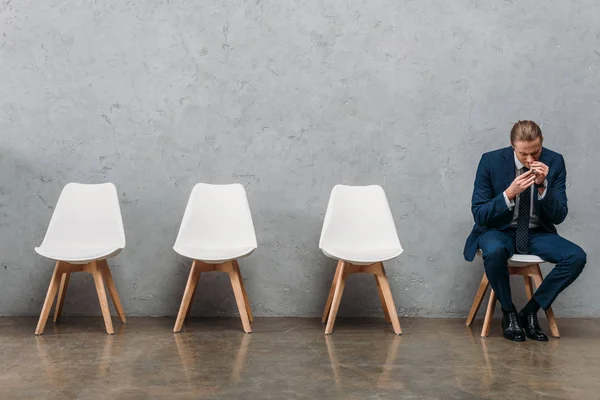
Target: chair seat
[(524, 259), (520, 260), (361, 256), (213, 255), (75, 254)]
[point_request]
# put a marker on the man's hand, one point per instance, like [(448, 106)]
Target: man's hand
[(541, 171), (521, 183)]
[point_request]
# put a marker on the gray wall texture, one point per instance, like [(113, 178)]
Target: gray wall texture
[(288, 98)]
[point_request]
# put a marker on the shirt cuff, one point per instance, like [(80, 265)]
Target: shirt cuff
[(511, 204), (541, 196)]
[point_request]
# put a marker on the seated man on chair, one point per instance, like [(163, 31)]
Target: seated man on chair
[(519, 197)]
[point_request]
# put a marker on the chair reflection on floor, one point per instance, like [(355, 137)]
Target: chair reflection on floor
[(51, 359), (381, 381), (481, 377), (485, 377), (187, 348)]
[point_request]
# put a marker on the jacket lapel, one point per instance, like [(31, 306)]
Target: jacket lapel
[(536, 202), (508, 166)]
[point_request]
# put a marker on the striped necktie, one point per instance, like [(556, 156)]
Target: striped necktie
[(523, 220)]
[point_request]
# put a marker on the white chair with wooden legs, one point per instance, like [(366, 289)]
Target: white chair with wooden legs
[(85, 230), (216, 231), (359, 232), (528, 266)]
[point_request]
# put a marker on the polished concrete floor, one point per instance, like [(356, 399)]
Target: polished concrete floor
[(290, 358)]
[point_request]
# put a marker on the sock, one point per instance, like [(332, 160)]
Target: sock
[(512, 309), (531, 307)]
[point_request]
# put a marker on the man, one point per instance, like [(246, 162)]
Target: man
[(519, 197)]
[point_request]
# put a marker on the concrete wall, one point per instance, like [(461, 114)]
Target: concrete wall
[(288, 98)]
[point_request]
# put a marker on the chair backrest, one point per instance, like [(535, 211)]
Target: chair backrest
[(86, 215), (217, 215), (359, 216)]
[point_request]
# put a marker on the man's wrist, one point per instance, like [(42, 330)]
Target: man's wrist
[(509, 203), (509, 194)]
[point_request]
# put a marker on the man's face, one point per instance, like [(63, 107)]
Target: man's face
[(528, 151)]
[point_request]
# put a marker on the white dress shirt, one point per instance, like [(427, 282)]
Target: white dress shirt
[(534, 220)]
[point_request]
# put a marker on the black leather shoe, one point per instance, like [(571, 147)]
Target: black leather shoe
[(512, 327), (532, 327)]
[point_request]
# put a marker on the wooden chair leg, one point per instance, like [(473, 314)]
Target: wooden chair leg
[(489, 314), (385, 310), (112, 289), (538, 279), (236, 284), (483, 287), (50, 296), (528, 287), (248, 309), (552, 323), (389, 299), (190, 288), (331, 292), (189, 310), (64, 283), (99, 282), (340, 283)]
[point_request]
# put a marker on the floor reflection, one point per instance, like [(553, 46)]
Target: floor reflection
[(490, 366), (343, 371), (53, 359), (190, 353), (291, 358)]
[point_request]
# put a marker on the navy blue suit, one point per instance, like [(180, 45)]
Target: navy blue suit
[(494, 236)]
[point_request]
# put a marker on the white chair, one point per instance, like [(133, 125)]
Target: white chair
[(86, 228), (528, 266), (216, 231), (359, 232)]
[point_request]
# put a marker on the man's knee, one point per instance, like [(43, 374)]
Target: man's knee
[(577, 258), (496, 255)]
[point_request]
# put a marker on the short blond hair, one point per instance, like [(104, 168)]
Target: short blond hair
[(525, 130)]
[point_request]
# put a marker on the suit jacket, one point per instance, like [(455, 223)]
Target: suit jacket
[(495, 173)]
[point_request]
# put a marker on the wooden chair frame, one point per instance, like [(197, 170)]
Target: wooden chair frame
[(233, 270), (344, 269), (527, 272), (60, 281)]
